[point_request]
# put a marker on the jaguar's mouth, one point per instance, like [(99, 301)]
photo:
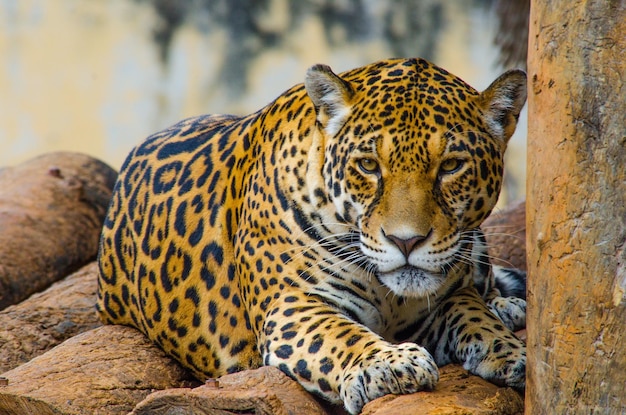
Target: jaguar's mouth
[(410, 281)]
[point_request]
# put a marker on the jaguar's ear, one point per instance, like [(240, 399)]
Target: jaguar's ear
[(502, 102), (331, 97)]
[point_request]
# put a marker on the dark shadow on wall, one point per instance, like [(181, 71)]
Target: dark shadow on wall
[(408, 27)]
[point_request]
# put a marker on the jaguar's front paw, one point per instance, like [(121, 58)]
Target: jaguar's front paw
[(392, 369)]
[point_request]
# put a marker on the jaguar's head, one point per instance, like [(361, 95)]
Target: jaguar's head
[(413, 162)]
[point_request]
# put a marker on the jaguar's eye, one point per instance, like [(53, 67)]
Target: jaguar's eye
[(368, 165), (450, 166)]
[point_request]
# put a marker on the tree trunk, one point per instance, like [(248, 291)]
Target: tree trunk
[(576, 208)]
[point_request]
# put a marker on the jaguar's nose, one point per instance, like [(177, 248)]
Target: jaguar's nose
[(407, 245)]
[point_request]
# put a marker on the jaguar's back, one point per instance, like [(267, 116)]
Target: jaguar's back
[(167, 241)]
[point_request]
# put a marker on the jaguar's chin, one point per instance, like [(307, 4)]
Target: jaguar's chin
[(410, 281)]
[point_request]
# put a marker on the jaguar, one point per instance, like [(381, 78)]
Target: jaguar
[(334, 234)]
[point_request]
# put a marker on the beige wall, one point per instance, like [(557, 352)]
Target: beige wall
[(86, 76)]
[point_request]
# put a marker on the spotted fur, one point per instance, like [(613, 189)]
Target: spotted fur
[(333, 234)]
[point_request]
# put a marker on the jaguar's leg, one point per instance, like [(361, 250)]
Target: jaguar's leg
[(333, 356), (464, 330), (508, 299)]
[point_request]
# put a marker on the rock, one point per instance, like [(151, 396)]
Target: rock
[(457, 393), (107, 370), (506, 236), (51, 212), (268, 391), (46, 319), (264, 391)]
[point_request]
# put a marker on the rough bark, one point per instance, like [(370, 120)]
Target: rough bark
[(46, 319), (104, 371), (51, 211), (506, 236), (576, 208)]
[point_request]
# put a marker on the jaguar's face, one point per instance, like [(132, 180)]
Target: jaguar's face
[(414, 167), (414, 191)]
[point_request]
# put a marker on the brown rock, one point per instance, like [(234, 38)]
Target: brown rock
[(457, 393), (46, 319), (506, 236), (265, 391), (107, 370), (268, 391), (51, 212)]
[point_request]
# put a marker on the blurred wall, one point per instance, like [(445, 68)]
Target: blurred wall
[(99, 76)]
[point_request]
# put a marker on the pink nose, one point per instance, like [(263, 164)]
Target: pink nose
[(407, 245)]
